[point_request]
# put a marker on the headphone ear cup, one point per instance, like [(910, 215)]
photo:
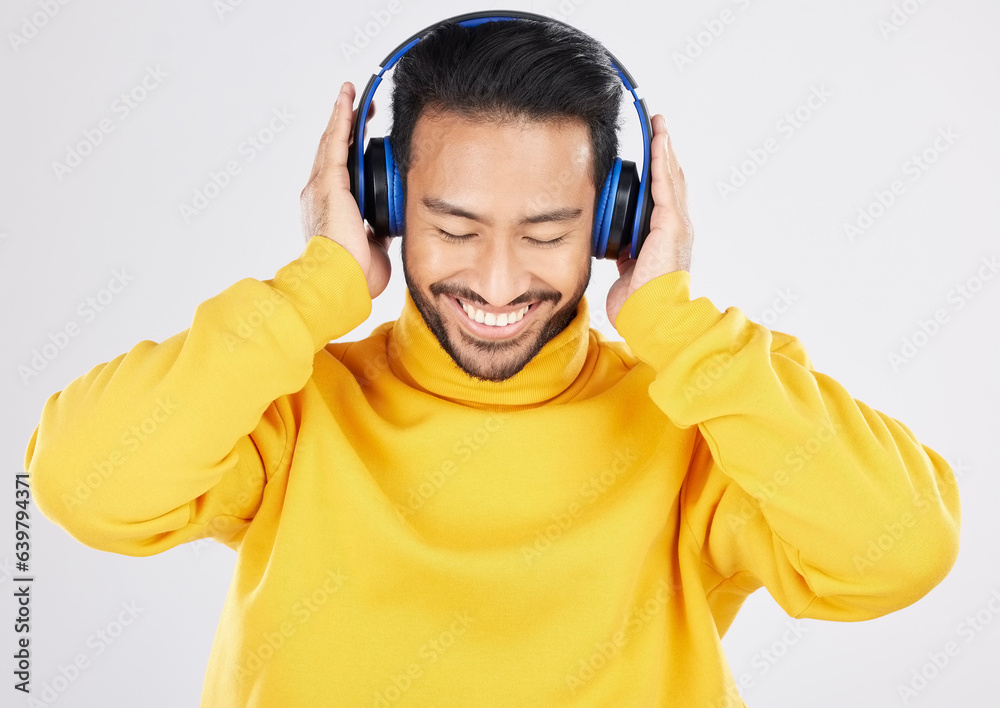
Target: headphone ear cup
[(394, 191), (376, 187), (622, 210), (602, 216)]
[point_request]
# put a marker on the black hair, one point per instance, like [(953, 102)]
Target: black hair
[(508, 70)]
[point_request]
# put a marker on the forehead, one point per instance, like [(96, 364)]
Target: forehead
[(486, 161)]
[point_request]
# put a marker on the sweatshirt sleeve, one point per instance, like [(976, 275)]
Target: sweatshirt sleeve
[(175, 441), (836, 508)]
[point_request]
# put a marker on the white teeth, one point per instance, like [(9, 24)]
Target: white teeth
[(491, 319)]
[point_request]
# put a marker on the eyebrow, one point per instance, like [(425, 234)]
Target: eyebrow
[(440, 206)]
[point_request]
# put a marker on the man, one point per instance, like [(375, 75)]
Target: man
[(485, 502)]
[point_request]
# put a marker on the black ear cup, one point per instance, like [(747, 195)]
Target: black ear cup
[(623, 215), (376, 187)]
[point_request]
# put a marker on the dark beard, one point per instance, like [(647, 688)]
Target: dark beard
[(487, 367)]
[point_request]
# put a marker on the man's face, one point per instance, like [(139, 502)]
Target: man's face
[(521, 197)]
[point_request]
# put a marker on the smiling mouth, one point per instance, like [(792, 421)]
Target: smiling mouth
[(490, 319), (491, 326)]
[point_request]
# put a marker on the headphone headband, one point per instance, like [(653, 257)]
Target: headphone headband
[(356, 159)]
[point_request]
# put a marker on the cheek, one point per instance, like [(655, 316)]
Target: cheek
[(561, 269), (569, 273), (428, 260)]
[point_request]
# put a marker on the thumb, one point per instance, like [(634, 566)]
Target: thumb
[(624, 263)]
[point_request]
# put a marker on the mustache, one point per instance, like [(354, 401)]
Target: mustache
[(467, 295)]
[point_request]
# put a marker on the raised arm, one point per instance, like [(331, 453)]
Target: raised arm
[(835, 507), (175, 441)]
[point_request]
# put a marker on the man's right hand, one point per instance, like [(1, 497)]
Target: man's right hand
[(328, 207)]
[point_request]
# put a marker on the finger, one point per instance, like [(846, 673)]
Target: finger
[(625, 264), (321, 148), (321, 152), (334, 139), (676, 172), (667, 187), (381, 241), (622, 255)]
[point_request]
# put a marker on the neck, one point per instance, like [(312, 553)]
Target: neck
[(553, 375)]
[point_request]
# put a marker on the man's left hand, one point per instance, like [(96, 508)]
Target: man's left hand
[(668, 246)]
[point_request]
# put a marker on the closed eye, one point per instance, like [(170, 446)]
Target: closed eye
[(548, 244), (453, 237), (459, 238)]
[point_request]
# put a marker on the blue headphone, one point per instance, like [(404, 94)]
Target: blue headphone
[(377, 188)]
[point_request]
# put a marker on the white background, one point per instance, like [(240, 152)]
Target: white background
[(854, 301)]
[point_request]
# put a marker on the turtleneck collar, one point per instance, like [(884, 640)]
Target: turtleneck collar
[(554, 375)]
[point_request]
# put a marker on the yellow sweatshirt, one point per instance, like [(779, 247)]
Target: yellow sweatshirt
[(580, 535)]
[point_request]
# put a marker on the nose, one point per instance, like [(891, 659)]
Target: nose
[(502, 271)]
